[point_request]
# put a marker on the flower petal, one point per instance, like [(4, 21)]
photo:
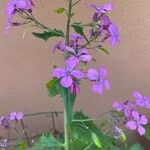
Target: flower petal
[(59, 73), (66, 81), (97, 88), (21, 4), (143, 120), (137, 95), (141, 130), (72, 62), (77, 74), (85, 58), (107, 85), (69, 49), (103, 72), (92, 74), (132, 125), (136, 115), (117, 106)]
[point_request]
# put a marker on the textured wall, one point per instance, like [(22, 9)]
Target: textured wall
[(26, 64)]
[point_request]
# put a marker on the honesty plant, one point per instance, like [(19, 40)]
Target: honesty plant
[(80, 132)]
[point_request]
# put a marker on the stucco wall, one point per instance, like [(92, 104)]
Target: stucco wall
[(26, 64)]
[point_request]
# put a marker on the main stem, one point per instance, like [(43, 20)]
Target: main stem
[(66, 123)]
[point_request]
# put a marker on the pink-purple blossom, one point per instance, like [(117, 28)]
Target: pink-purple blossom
[(99, 79), (5, 122), (16, 116), (14, 6), (77, 56), (141, 101), (74, 88), (113, 34), (67, 75), (137, 122), (126, 107), (103, 8)]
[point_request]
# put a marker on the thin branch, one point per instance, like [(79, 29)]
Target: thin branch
[(76, 3)]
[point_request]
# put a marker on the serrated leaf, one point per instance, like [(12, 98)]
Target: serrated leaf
[(79, 29), (96, 140), (82, 131), (47, 142), (147, 135), (48, 34), (53, 87), (60, 10)]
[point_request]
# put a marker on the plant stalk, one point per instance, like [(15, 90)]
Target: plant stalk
[(66, 122)]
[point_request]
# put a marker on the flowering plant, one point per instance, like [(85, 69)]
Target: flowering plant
[(81, 132)]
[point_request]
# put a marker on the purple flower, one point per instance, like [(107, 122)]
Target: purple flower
[(3, 143), (141, 101), (5, 122), (137, 122), (13, 6), (126, 107), (99, 78), (76, 41), (60, 46), (16, 116), (113, 34), (76, 56), (103, 8), (66, 75), (74, 88)]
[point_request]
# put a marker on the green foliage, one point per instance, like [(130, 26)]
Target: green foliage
[(60, 10), (89, 134), (22, 145), (47, 142), (48, 34), (53, 87), (134, 147), (68, 100), (79, 29), (96, 140), (147, 135)]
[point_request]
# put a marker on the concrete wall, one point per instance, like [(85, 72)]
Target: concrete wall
[(26, 64)]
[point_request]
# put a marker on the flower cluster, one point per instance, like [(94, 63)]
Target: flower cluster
[(134, 120), (14, 6), (69, 76), (6, 121), (102, 25)]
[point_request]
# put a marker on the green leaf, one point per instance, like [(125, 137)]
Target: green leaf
[(82, 130), (147, 135), (96, 140), (104, 50), (22, 145), (79, 29), (48, 34), (47, 142), (134, 147), (60, 10), (53, 87)]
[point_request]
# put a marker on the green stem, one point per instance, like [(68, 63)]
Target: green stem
[(68, 21), (66, 132), (76, 3), (66, 123)]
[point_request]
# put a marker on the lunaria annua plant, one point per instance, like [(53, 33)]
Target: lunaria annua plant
[(81, 132)]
